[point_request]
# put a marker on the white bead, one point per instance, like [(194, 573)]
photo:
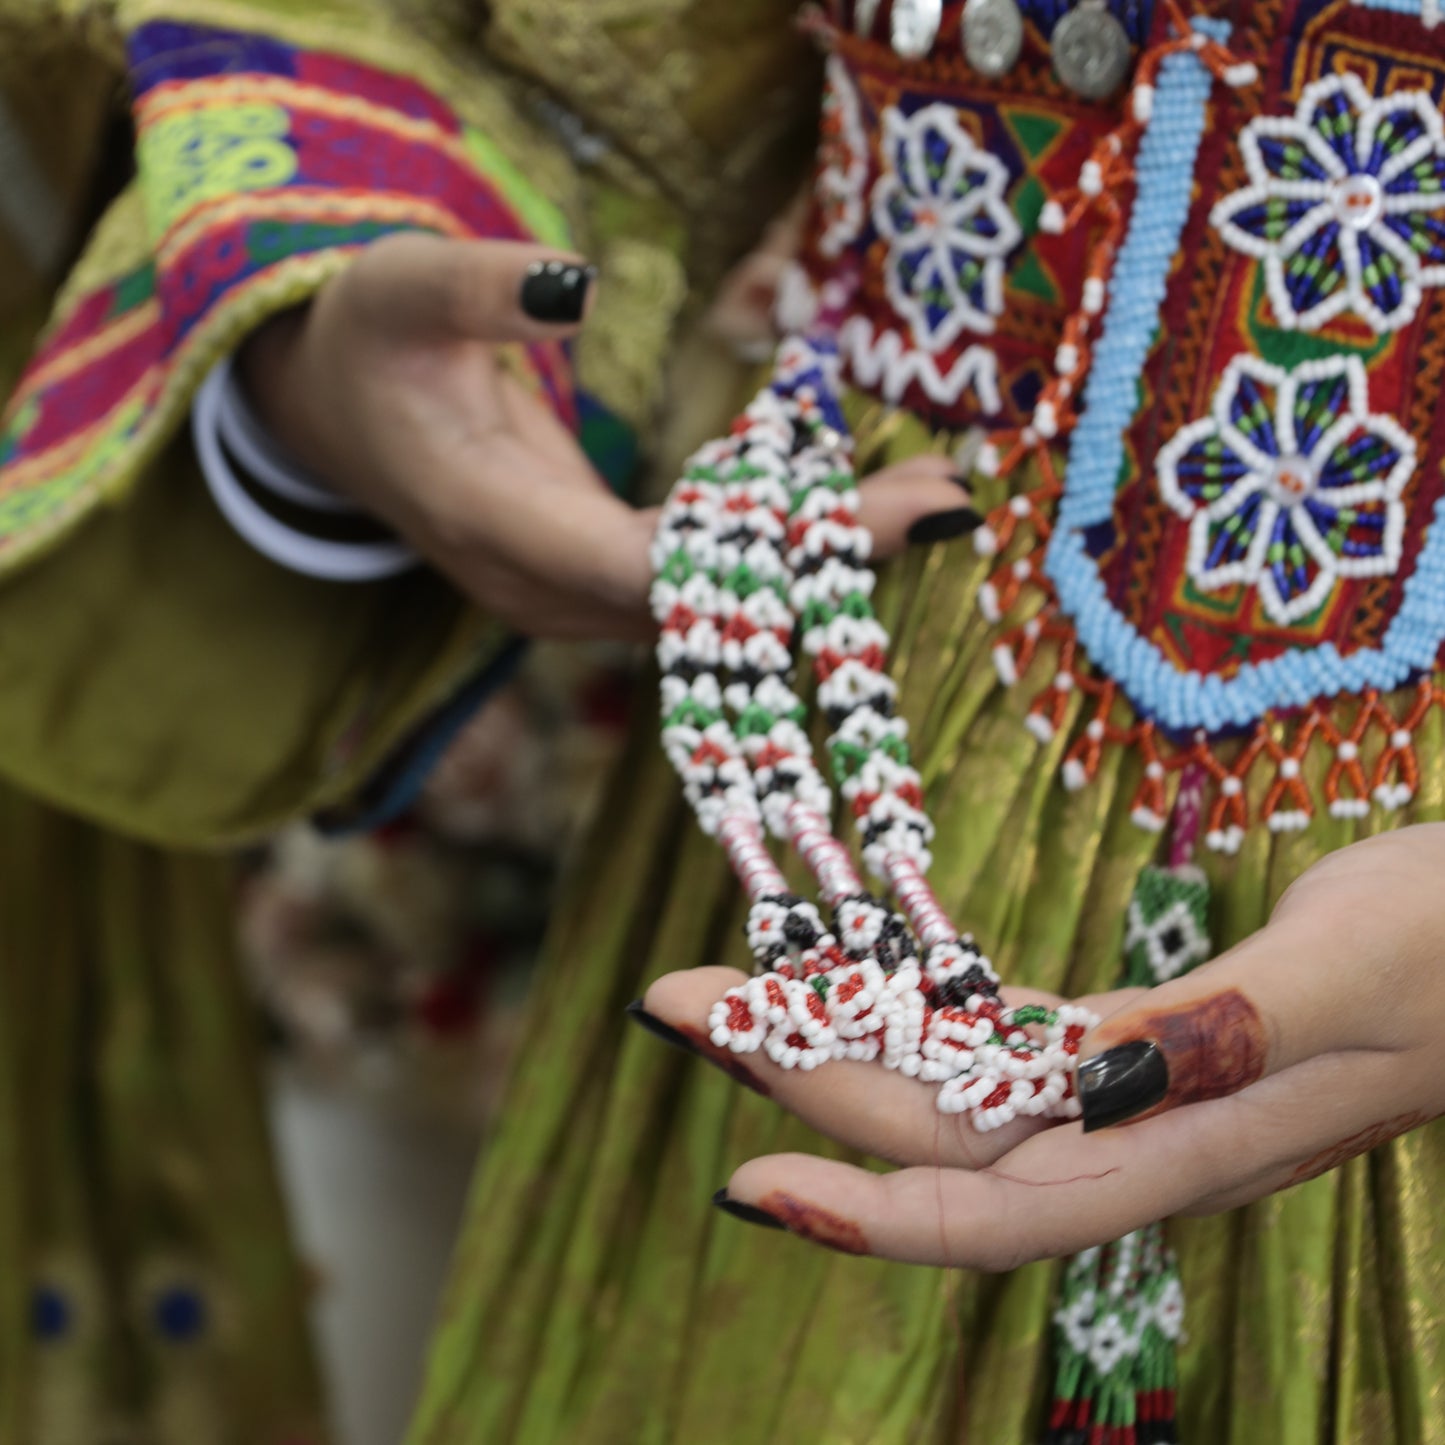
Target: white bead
[(1041, 728)]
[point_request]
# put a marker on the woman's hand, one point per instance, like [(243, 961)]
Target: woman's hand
[(389, 385), (1316, 1039)]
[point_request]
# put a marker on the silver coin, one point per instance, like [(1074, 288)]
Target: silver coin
[(993, 35), (916, 24), (1091, 52)]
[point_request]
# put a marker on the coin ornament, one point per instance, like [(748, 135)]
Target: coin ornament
[(1091, 51), (916, 24), (993, 36)]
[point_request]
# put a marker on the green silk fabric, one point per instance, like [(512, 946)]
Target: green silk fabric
[(147, 1287), (598, 1298)]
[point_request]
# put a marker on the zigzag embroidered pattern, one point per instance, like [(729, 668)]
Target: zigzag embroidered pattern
[(881, 360)]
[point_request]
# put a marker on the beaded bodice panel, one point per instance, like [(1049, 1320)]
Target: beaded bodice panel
[(1204, 320)]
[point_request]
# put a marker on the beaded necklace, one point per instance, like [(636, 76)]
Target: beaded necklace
[(758, 547)]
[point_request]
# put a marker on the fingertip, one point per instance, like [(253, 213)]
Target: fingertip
[(913, 503), (558, 291), (687, 996), (944, 526), (1122, 1083), (806, 1196)]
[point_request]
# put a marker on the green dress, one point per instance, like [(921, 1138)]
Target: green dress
[(174, 174), (597, 1296)]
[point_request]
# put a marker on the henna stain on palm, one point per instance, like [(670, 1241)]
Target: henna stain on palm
[(815, 1223), (723, 1059), (1215, 1046), (1358, 1144)]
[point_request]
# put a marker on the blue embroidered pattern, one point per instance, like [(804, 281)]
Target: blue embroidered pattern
[(1184, 701)]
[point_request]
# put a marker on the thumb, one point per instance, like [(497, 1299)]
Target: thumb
[(923, 499), (496, 291), (1288, 993)]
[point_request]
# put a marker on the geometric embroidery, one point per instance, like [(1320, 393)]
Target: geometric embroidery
[(940, 205), (1291, 484), (1346, 205)]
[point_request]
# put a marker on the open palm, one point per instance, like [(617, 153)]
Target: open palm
[(1312, 1041)]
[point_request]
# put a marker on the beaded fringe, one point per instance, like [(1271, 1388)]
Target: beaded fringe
[(1121, 1307)]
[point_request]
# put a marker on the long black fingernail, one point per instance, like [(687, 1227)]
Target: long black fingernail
[(944, 526), (959, 479), (1122, 1083), (556, 291), (654, 1025), (749, 1213)]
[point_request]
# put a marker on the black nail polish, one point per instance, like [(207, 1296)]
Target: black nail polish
[(960, 479), (1121, 1083), (944, 526), (556, 291), (655, 1025), (749, 1213)]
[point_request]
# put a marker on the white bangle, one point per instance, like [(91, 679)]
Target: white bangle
[(260, 457), (311, 556)]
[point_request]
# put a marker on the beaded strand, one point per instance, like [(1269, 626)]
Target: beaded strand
[(759, 546)]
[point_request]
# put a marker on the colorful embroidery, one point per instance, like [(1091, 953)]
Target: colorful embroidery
[(1236, 581), (1291, 484), (948, 296), (1346, 205), (192, 156), (939, 205), (262, 168)]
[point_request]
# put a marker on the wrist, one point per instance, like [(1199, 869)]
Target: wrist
[(270, 367)]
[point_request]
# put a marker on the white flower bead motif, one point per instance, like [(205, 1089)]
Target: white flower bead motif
[(1110, 1343), (1290, 484), (1172, 942), (1345, 206), (843, 162), (940, 206)]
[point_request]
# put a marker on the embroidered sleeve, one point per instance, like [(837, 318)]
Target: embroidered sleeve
[(261, 167)]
